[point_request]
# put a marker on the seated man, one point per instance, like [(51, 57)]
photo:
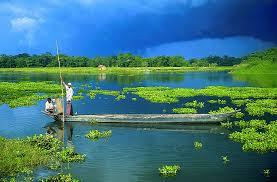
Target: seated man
[(49, 107)]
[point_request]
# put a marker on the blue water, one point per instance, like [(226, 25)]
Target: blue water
[(134, 153)]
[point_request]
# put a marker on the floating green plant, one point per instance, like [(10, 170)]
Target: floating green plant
[(120, 97), (22, 156), (195, 104), (218, 101), (93, 93), (78, 97), (261, 106), (169, 170), (266, 172), (241, 102), (184, 110), (239, 115), (223, 110), (95, 134), (227, 124), (60, 178), (134, 99), (18, 94), (225, 159), (197, 145), (164, 110), (93, 122), (256, 136)]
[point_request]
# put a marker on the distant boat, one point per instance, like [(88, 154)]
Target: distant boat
[(148, 118)]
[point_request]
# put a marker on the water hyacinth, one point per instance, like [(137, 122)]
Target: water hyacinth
[(60, 178), (197, 145), (93, 93), (167, 171), (195, 104), (184, 110), (222, 110), (95, 134)]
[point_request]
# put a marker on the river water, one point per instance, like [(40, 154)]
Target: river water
[(134, 153)]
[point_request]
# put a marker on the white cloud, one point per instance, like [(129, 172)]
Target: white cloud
[(24, 24)]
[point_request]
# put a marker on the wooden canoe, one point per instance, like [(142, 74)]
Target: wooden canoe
[(149, 118)]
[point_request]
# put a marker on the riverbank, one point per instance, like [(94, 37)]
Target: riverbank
[(114, 70)]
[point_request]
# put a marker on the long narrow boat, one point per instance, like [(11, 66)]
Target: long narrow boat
[(149, 118)]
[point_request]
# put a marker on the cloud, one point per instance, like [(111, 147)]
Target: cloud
[(232, 46), (24, 24)]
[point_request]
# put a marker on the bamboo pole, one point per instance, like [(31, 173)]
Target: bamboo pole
[(58, 56)]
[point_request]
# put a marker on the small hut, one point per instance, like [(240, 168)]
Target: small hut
[(102, 67)]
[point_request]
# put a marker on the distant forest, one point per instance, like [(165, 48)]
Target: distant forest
[(121, 60)]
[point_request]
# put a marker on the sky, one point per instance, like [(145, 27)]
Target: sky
[(190, 28)]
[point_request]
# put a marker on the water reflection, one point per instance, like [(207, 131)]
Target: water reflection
[(261, 80), (61, 131)]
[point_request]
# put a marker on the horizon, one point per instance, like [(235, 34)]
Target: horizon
[(91, 28)]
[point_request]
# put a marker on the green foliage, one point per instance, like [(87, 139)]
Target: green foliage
[(241, 102), (17, 94), (95, 134), (218, 101), (184, 110), (226, 124), (197, 145), (195, 104), (93, 93), (239, 115), (222, 110), (259, 62), (120, 97), (261, 106), (225, 159), (167, 171), (256, 136), (22, 156), (60, 178), (69, 155), (266, 172)]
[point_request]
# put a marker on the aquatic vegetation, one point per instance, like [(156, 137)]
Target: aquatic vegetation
[(240, 102), (197, 145), (266, 172), (261, 106), (184, 110), (78, 97), (195, 104), (95, 134), (226, 124), (257, 124), (69, 155), (239, 115), (120, 97), (218, 101), (93, 93), (60, 178), (164, 110), (93, 122), (222, 110), (17, 94), (22, 156), (225, 159), (172, 95), (169, 170), (134, 99), (256, 136)]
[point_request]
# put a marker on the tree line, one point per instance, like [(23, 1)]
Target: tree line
[(121, 60)]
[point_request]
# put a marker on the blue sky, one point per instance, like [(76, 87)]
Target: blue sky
[(191, 28)]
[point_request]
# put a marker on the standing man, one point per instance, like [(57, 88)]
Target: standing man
[(69, 96)]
